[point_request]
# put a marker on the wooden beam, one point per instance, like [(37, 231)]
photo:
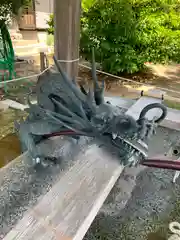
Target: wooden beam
[(42, 61), (67, 211), (172, 120), (67, 33)]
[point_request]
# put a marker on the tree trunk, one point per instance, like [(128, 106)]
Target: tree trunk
[(67, 34)]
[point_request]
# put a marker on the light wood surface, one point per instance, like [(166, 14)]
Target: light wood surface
[(172, 120), (68, 209)]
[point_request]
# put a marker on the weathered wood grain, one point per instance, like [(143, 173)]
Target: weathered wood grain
[(74, 201), (68, 209), (172, 120)]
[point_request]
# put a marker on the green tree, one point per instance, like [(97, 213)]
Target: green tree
[(158, 29), (87, 4), (50, 23), (11, 7), (127, 33), (109, 26)]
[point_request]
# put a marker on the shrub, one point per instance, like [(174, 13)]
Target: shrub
[(127, 33), (109, 26), (50, 40), (158, 29), (8, 8), (50, 23)]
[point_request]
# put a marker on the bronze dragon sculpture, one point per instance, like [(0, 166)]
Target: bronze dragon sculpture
[(64, 108)]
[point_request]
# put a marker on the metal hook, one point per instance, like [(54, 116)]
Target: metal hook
[(152, 106)]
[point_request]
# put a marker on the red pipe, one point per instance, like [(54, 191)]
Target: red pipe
[(62, 133), (161, 163), (156, 163)]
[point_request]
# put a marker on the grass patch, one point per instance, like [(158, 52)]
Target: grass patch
[(50, 40), (172, 104)]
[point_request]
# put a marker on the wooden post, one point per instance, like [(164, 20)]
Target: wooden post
[(67, 33), (42, 61)]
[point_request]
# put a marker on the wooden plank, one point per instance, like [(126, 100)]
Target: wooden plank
[(42, 61), (68, 209), (74, 201), (13, 104), (172, 120)]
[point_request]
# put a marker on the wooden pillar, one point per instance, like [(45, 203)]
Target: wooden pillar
[(42, 61), (67, 33)]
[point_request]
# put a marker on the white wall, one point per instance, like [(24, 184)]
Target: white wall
[(43, 9)]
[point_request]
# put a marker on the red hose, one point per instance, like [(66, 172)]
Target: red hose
[(161, 163), (156, 163), (62, 133)]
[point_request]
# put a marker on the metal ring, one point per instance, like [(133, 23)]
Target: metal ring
[(152, 106)]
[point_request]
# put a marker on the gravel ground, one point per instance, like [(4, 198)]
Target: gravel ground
[(143, 202), (132, 210)]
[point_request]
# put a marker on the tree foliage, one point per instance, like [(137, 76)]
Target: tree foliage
[(127, 33), (50, 22), (87, 4), (109, 26), (12, 7)]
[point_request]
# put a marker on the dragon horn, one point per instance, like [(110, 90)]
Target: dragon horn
[(70, 84), (103, 84), (69, 113), (28, 100), (74, 81), (94, 76), (16, 125), (90, 99), (66, 124), (83, 89)]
